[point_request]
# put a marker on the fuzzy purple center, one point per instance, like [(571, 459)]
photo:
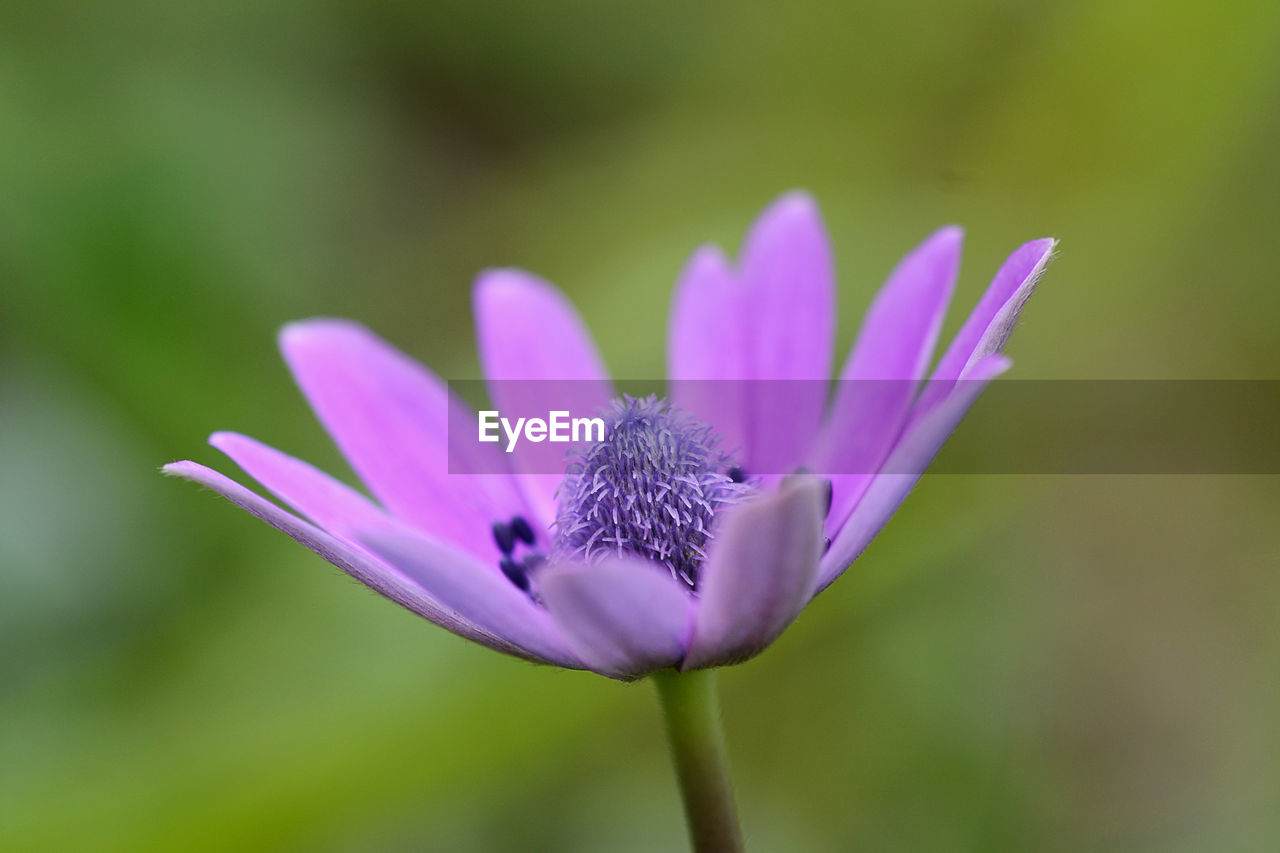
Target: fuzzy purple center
[(651, 488)]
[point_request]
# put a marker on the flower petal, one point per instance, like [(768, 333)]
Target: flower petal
[(528, 330), (353, 560), (327, 502), (789, 291), (908, 461), (479, 593), (390, 417), (707, 348), (902, 324), (879, 379), (624, 617), (991, 323), (759, 574)]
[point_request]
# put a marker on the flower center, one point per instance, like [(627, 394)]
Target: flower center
[(651, 488)]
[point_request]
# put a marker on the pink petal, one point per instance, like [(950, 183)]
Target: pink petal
[(528, 330), (789, 292), (908, 461), (327, 502), (390, 418), (759, 575), (991, 323), (707, 348), (624, 617), (879, 379), (478, 593), (353, 560), (902, 324)]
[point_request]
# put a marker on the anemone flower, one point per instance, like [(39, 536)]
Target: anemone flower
[(676, 543)]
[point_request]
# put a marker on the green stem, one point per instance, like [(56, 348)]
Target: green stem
[(691, 706)]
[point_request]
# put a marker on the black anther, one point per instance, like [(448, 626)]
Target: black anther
[(736, 474), (522, 530), (514, 572), (828, 493), (826, 545), (504, 536)]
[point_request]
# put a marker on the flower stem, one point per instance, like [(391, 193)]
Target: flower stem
[(691, 707)]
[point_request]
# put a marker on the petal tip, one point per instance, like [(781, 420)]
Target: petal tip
[(805, 491), (792, 206), (949, 237), (186, 470), (798, 197), (708, 254), (1042, 250), (223, 439), (504, 282), (299, 335), (708, 265)]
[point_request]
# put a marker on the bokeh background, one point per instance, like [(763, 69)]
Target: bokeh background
[(1017, 663)]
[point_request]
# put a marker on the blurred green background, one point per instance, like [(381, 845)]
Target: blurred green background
[(1017, 663)]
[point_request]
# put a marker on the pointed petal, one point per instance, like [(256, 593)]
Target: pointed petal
[(705, 332), (390, 417), (879, 379), (908, 461), (623, 617), (327, 502), (789, 291), (902, 324), (787, 272), (759, 575), (527, 329), (537, 355), (353, 560), (766, 334), (991, 323), (479, 593), (790, 295), (706, 346)]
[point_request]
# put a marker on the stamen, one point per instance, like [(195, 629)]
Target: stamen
[(652, 487), (515, 573), (522, 530), (736, 474), (828, 494), (503, 535)]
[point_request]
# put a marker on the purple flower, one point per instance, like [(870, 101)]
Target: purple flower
[(656, 548)]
